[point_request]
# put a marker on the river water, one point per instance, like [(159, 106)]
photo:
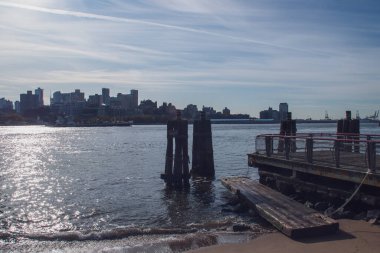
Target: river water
[(88, 189)]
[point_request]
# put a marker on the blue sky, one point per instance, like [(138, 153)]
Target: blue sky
[(246, 55)]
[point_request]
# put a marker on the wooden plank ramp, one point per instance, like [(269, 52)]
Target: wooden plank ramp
[(290, 217)]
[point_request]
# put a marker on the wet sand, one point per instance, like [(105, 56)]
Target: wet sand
[(354, 236)]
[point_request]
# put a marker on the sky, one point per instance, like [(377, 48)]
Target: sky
[(246, 55)]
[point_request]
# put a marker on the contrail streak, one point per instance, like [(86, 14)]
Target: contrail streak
[(148, 23)]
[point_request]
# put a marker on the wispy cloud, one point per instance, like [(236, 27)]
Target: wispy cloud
[(241, 54), (156, 24)]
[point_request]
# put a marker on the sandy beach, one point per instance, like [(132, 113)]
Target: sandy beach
[(354, 236)]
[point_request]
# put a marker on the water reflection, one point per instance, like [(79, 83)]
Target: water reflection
[(204, 191), (184, 206), (31, 189)]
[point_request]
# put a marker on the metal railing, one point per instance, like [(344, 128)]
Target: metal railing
[(359, 151)]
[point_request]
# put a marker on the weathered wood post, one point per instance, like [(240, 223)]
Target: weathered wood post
[(168, 176), (309, 149), (203, 155), (269, 145), (337, 145), (177, 176), (287, 127), (350, 128), (355, 129), (371, 155)]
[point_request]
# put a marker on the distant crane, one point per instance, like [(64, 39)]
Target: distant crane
[(375, 116), (357, 115)]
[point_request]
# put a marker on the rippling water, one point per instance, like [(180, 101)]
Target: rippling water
[(56, 180)]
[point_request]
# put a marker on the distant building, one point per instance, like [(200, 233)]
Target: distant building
[(190, 112), (283, 110), (148, 106), (95, 100), (135, 99), (17, 107), (270, 114), (68, 103), (226, 111), (129, 102), (40, 97), (106, 96), (209, 111), (28, 102), (5, 105)]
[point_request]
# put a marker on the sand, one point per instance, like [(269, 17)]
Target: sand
[(354, 236)]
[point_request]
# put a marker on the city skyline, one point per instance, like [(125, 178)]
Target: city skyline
[(246, 55)]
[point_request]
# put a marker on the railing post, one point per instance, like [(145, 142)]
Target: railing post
[(269, 145), (309, 150), (371, 155), (337, 145), (287, 147)]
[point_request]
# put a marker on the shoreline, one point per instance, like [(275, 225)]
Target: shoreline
[(353, 236)]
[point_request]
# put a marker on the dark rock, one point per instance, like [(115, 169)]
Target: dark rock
[(346, 214), (329, 211), (227, 210), (361, 216), (240, 227), (241, 209), (321, 206), (373, 215), (309, 204)]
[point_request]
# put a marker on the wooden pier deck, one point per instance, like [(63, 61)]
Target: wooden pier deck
[(331, 165), (290, 217)]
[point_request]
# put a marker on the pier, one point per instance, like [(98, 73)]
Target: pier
[(330, 165)]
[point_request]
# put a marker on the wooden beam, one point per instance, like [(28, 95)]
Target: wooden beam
[(288, 216)]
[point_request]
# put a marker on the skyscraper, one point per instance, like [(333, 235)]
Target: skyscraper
[(106, 96), (39, 96), (283, 109), (135, 98)]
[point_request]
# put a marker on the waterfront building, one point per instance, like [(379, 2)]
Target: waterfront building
[(95, 100), (40, 97), (148, 106), (17, 107), (135, 99), (209, 111), (190, 112), (226, 111), (28, 102), (270, 114), (283, 110), (5, 105), (68, 103), (106, 96)]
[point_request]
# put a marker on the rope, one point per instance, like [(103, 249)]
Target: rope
[(352, 195)]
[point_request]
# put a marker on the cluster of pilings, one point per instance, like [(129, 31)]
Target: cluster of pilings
[(177, 170)]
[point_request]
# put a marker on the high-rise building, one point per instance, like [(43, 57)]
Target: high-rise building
[(28, 102), (39, 96), (6, 105), (135, 99), (283, 110), (106, 96)]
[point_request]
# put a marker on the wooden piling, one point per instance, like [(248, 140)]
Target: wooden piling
[(177, 175), (287, 127), (203, 155), (349, 126)]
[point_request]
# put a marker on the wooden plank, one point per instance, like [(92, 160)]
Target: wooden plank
[(290, 217)]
